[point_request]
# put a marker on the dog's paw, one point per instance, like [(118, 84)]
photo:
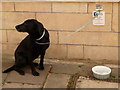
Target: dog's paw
[(41, 67), (35, 73), (21, 72)]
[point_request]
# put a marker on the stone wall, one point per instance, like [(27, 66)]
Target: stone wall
[(62, 19)]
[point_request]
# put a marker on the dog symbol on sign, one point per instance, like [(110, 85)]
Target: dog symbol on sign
[(95, 14)]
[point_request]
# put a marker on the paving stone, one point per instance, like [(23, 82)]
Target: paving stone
[(21, 86), (12, 85), (112, 66), (28, 77), (31, 86), (6, 65), (4, 75), (95, 84), (115, 72), (65, 68), (83, 69), (57, 81)]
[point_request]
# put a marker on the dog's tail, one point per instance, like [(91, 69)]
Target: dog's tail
[(9, 69)]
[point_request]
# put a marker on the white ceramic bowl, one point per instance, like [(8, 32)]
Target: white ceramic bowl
[(101, 72)]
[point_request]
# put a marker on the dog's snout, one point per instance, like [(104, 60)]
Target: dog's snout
[(17, 27)]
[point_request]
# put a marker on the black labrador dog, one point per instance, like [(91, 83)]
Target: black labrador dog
[(31, 47)]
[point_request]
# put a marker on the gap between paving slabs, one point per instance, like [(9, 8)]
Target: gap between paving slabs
[(84, 69), (74, 70), (78, 70), (28, 78)]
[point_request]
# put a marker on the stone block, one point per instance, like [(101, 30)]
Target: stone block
[(15, 37), (57, 52), (7, 6), (107, 7), (75, 52), (55, 81), (12, 85), (4, 36), (16, 18), (0, 6), (71, 22), (89, 38), (63, 21), (115, 17), (38, 6), (64, 68), (69, 7), (97, 53), (28, 77), (8, 49), (53, 37), (91, 84)]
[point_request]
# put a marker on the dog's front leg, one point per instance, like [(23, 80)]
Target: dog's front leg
[(41, 65), (34, 72)]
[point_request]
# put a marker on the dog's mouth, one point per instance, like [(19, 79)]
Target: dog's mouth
[(19, 29)]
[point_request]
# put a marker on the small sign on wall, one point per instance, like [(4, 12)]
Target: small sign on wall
[(99, 18)]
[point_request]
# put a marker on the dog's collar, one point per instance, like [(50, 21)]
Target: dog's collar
[(41, 36)]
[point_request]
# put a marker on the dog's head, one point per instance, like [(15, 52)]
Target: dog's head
[(31, 26)]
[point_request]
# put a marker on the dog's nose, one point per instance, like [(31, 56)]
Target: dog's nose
[(16, 27)]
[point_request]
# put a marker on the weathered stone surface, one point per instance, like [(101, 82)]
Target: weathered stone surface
[(89, 38), (28, 77), (11, 19), (97, 53), (16, 38), (65, 68), (56, 52), (75, 52), (7, 6), (107, 7), (38, 6), (71, 21), (57, 81), (13, 85), (115, 18), (4, 76), (69, 7), (95, 84)]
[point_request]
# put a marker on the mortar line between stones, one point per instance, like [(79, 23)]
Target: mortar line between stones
[(83, 52), (6, 36), (66, 51), (58, 37), (112, 19), (46, 78), (14, 7), (79, 45), (73, 31), (72, 81), (5, 79), (50, 12), (51, 7), (87, 8), (35, 15)]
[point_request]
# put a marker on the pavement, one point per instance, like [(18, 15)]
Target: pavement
[(58, 74)]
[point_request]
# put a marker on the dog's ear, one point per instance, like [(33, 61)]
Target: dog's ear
[(39, 27)]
